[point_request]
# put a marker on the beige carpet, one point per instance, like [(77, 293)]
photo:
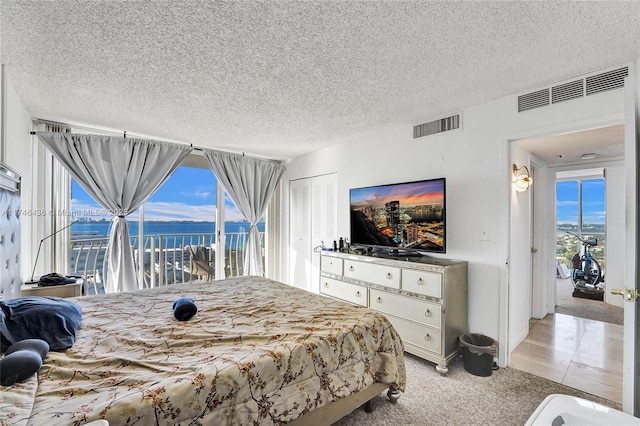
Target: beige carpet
[(585, 308), (507, 397)]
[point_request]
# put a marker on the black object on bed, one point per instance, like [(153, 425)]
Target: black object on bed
[(52, 319), (55, 279)]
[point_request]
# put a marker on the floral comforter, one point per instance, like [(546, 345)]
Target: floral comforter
[(256, 352)]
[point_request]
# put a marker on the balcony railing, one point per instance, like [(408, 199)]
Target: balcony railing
[(168, 258)]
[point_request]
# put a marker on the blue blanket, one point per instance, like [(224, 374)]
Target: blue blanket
[(51, 319)]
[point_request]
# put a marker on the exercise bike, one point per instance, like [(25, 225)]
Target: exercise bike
[(586, 274)]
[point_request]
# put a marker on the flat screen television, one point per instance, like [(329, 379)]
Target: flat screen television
[(408, 217)]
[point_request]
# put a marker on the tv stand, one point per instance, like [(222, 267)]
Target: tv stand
[(390, 253), (403, 253), (424, 298)]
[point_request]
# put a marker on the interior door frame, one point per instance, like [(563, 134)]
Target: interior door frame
[(629, 117)]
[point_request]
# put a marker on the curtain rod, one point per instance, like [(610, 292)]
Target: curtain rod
[(103, 131)]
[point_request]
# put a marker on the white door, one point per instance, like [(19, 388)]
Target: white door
[(299, 233), (313, 221), (631, 351), (537, 276)]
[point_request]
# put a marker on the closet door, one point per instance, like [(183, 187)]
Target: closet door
[(299, 233), (312, 221)]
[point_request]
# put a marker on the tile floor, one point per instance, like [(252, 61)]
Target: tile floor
[(579, 353)]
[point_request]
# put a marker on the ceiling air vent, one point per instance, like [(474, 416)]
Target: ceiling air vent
[(567, 91), (607, 81), (437, 126), (533, 100)]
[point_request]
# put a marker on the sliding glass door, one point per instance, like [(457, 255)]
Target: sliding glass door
[(174, 235)]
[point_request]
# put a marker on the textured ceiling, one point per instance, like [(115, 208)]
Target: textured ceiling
[(279, 79)]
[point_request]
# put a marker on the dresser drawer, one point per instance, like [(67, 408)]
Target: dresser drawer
[(352, 293), (422, 282), (387, 276), (421, 311), (331, 265), (420, 335)]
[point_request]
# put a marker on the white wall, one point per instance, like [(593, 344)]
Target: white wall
[(520, 257), (476, 162)]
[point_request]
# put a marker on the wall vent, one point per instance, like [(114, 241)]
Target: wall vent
[(437, 126), (567, 91), (533, 100), (606, 81), (590, 85)]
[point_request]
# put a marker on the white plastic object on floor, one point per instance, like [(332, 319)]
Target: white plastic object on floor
[(566, 410), (562, 271)]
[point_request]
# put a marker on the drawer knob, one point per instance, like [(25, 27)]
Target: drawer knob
[(326, 284), (351, 268), (388, 275), (420, 281), (427, 337), (428, 313), (379, 300), (357, 294)]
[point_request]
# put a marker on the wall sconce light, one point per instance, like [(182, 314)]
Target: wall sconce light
[(522, 179)]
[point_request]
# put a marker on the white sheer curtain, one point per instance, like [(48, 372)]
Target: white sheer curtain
[(120, 174), (250, 183)]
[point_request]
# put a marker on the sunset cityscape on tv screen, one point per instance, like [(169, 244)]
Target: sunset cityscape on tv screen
[(406, 215)]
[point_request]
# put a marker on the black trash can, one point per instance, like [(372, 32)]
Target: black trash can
[(478, 351)]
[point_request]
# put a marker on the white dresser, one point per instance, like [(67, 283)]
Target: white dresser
[(425, 298)]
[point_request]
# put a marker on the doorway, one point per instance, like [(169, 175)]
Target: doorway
[(583, 353)]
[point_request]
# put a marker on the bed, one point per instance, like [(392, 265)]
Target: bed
[(256, 352)]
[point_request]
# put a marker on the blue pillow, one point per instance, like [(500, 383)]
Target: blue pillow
[(52, 319), (36, 345), (18, 366)]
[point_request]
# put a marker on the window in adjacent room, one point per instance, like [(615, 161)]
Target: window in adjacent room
[(580, 210)]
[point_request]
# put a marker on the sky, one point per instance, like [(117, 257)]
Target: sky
[(593, 201), (189, 194)]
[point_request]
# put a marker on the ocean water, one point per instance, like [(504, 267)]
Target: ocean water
[(86, 230)]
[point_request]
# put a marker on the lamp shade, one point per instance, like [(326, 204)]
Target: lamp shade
[(522, 179), (522, 183)]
